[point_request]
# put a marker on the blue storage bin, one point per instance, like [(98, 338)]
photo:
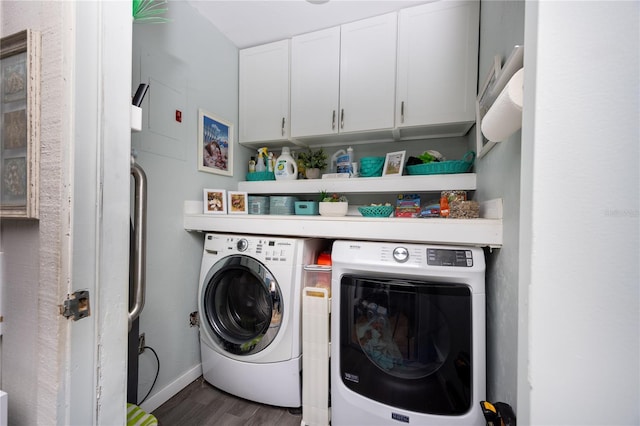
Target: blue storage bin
[(308, 208), (283, 205)]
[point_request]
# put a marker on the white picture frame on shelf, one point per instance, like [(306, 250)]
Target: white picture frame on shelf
[(238, 202), (394, 163), (215, 201)]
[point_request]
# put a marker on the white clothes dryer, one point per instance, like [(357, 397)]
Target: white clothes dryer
[(249, 303), (407, 334)]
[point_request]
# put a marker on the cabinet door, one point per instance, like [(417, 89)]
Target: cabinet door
[(315, 75), (264, 93), (437, 63), (367, 74)]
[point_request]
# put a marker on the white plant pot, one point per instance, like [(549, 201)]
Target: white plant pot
[(333, 208)]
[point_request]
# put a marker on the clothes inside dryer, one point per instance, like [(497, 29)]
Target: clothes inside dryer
[(405, 342), (243, 305)]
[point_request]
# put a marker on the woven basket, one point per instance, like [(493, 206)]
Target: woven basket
[(376, 211), (261, 176), (444, 167), (371, 166)]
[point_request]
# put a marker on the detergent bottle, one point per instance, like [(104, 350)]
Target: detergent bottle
[(334, 160), (286, 167)]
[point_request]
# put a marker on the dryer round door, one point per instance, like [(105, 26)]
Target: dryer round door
[(242, 305)]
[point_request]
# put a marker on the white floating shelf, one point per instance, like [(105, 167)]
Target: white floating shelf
[(472, 232), (391, 184)]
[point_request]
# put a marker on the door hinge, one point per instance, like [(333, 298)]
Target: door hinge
[(76, 306)]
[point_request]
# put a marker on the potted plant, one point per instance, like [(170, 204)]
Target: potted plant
[(313, 162), (332, 204)]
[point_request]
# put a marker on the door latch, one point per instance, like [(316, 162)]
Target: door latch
[(76, 306)]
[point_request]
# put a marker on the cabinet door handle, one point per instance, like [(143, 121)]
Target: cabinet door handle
[(342, 118), (333, 120), (402, 112), (282, 126)]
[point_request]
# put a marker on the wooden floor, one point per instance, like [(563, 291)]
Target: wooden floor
[(202, 404)]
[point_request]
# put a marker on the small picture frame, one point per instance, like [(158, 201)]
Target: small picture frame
[(394, 163), (238, 202), (215, 201), (215, 144)]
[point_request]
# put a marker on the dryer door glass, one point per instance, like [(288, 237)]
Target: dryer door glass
[(242, 305), (407, 343)]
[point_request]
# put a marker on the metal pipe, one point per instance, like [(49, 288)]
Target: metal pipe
[(140, 232)]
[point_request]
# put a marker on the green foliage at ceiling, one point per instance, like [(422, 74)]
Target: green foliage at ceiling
[(149, 11)]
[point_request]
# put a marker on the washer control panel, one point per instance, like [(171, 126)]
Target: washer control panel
[(261, 247), (446, 257)]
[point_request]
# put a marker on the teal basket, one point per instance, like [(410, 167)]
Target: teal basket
[(376, 211), (444, 167), (371, 166), (261, 176)]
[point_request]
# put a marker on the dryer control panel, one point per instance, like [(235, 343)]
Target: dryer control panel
[(446, 257)]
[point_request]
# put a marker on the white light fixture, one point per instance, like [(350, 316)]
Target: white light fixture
[(318, 1)]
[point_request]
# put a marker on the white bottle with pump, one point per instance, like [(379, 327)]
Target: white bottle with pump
[(286, 167)]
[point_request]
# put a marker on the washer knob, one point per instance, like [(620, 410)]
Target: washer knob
[(242, 245), (400, 254)]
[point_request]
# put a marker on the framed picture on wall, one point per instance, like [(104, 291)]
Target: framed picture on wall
[(215, 144), (215, 201), (238, 202), (20, 117), (394, 163)]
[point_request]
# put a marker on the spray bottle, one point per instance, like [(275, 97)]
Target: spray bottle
[(262, 157)]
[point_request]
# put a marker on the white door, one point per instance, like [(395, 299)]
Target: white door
[(100, 142)]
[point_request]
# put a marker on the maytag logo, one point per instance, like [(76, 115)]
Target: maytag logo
[(400, 417), (352, 377)]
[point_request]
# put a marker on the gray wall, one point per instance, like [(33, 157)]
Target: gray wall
[(501, 28), (189, 65)]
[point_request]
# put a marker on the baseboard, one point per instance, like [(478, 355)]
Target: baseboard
[(163, 395)]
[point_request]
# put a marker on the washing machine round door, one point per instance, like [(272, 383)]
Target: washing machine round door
[(242, 305)]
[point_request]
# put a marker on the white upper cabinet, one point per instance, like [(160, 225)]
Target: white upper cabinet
[(264, 93), (437, 66), (343, 78), (368, 73), (315, 78)]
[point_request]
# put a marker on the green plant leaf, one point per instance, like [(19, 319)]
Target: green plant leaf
[(147, 11)]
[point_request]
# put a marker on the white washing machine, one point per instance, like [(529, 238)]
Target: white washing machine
[(407, 334), (249, 302)]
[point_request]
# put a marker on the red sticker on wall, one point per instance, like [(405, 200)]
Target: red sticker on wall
[(179, 116)]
